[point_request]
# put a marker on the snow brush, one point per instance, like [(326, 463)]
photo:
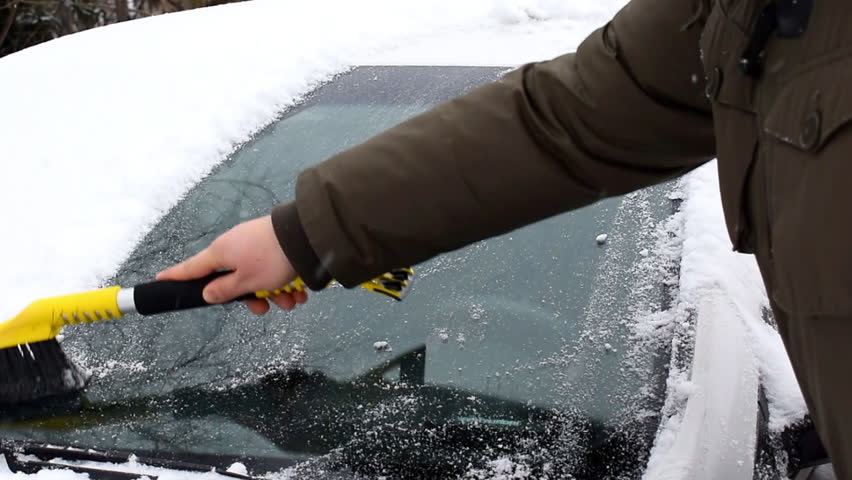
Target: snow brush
[(33, 366)]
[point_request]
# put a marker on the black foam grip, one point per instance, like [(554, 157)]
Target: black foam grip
[(168, 296)]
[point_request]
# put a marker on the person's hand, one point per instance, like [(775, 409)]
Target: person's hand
[(251, 250)]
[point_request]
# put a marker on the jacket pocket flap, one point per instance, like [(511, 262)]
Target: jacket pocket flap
[(812, 106)]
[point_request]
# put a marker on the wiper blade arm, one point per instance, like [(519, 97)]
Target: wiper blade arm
[(34, 466), (43, 451)]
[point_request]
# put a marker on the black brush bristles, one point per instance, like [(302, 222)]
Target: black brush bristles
[(35, 371)]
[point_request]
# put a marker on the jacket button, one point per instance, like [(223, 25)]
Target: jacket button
[(714, 83), (809, 138)]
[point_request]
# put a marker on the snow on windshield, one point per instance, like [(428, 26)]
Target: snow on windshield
[(105, 130)]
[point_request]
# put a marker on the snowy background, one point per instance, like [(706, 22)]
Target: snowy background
[(104, 132)]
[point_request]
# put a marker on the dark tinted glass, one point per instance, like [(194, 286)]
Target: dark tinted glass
[(521, 347)]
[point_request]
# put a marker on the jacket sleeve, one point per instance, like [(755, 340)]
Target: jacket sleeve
[(627, 110)]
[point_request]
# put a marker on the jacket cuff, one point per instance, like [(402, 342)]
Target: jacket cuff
[(294, 241)]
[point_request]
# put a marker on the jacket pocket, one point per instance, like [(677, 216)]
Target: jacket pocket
[(808, 145), (730, 92)]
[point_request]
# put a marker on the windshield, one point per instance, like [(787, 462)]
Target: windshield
[(522, 348)]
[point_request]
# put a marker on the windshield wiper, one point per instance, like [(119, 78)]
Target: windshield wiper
[(19, 456), (28, 466)]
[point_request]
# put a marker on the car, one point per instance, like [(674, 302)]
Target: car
[(512, 348), (568, 348)]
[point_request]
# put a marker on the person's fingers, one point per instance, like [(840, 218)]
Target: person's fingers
[(223, 289), (300, 296), (258, 306), (284, 301), (197, 266)]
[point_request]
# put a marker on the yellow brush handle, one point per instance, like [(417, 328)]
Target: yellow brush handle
[(393, 284), (296, 285), (42, 319)]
